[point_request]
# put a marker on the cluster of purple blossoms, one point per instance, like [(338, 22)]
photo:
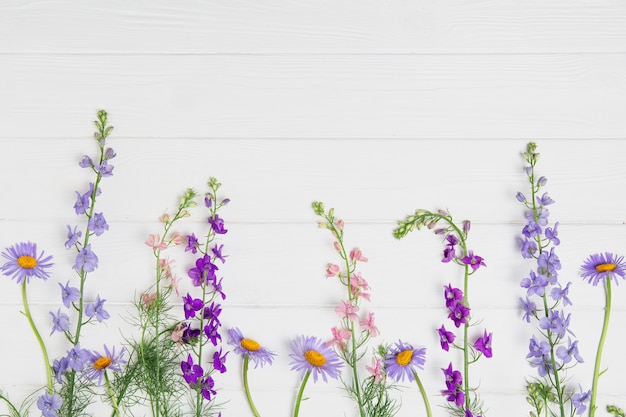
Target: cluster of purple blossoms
[(202, 323)]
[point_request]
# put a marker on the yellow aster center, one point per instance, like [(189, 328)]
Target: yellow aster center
[(27, 262), (249, 344), (102, 363), (606, 267), (314, 358), (403, 358)]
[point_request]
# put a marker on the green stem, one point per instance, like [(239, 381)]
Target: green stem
[(10, 405), (114, 404), (423, 392), (605, 327), (300, 392), (38, 336), (246, 359)]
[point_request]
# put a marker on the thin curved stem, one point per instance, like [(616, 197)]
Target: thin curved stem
[(246, 359), (296, 410), (38, 336), (605, 327), (424, 396)]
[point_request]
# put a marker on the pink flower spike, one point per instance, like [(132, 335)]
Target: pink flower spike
[(368, 324), (347, 310), (357, 255), (340, 336), (155, 242), (332, 270), (376, 370)]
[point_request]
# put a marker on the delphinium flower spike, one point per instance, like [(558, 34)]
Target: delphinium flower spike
[(552, 352), (602, 267), (249, 349), (462, 397)]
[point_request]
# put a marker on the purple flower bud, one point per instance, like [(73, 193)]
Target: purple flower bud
[(466, 226), (520, 197), (542, 181)]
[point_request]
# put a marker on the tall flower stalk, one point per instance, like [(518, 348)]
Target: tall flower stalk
[(463, 399), (554, 352)]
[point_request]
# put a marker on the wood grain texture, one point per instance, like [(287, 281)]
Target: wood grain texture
[(376, 108)]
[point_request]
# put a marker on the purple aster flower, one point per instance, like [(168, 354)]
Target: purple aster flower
[(453, 296), (100, 363), (311, 354), (219, 361), (60, 322), (72, 236), (191, 371), (601, 266), (96, 309), (217, 224), (77, 358), (528, 247), (459, 314), (474, 261), (561, 294), (49, 404), (206, 388), (529, 307), (535, 284), (250, 347), (86, 260), (191, 305), (82, 203), (445, 338), (97, 224), (404, 360), (203, 272), (483, 344), (217, 252), (580, 400), (23, 262), (69, 294), (192, 244), (567, 353), (211, 332)]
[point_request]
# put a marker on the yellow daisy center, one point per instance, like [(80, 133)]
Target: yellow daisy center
[(102, 363), (249, 344), (314, 358), (605, 267), (27, 262), (403, 358)]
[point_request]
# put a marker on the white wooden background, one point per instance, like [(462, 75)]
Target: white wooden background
[(375, 107)]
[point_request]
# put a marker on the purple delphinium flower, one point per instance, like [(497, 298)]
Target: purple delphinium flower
[(544, 200), (483, 344), (531, 230), (474, 261), (86, 260), (192, 244), (77, 358), (104, 169), (552, 234), (60, 322), (189, 334), (212, 313), (203, 272), (97, 224), (452, 295), (217, 224), (219, 361), (549, 262), (535, 284), (559, 293), (69, 294), (529, 307), (528, 248), (191, 371), (459, 314), (445, 338), (580, 400), (86, 162), (82, 202), (217, 252), (100, 363), (23, 262), (60, 367), (49, 404), (96, 309), (211, 332), (206, 388), (311, 354), (556, 322), (567, 353), (449, 252), (72, 236), (217, 288), (245, 346), (454, 381), (403, 360), (191, 305), (600, 266)]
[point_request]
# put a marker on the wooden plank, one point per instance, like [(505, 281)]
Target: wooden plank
[(322, 96), (273, 26)]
